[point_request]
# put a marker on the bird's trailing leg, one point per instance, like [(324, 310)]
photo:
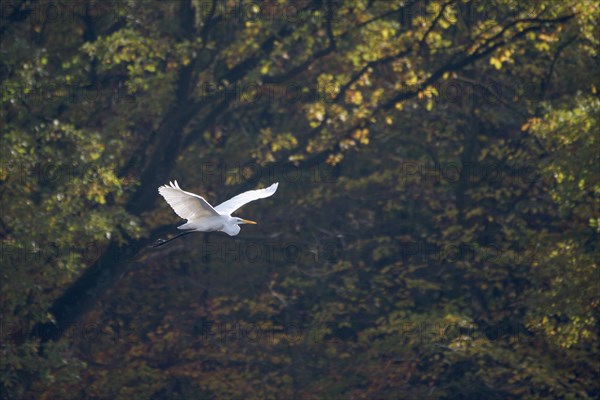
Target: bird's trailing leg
[(161, 242)]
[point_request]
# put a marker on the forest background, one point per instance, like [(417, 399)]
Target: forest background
[(434, 235)]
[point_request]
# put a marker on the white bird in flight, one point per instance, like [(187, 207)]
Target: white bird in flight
[(202, 217)]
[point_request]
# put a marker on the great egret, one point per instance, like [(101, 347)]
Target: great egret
[(202, 217)]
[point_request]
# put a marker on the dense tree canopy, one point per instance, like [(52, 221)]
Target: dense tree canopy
[(434, 235)]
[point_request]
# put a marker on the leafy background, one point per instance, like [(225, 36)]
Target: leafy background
[(435, 232)]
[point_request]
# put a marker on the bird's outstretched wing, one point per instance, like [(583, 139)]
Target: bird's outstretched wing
[(236, 202), (185, 204)]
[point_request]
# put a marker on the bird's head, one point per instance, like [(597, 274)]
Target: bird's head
[(241, 221)]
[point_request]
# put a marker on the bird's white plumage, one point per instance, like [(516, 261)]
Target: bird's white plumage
[(187, 205), (236, 202), (201, 216)]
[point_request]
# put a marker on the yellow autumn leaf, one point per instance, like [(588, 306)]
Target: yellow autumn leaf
[(547, 38), (355, 97), (496, 63)]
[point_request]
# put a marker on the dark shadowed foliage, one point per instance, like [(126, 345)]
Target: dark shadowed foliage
[(434, 234)]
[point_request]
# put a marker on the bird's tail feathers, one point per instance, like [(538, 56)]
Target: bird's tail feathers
[(187, 225)]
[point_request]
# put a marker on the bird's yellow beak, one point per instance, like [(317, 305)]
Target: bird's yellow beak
[(248, 222)]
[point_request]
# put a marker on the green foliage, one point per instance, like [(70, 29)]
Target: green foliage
[(435, 232)]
